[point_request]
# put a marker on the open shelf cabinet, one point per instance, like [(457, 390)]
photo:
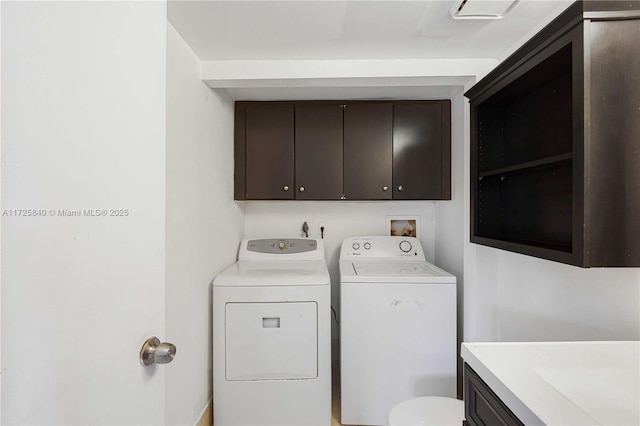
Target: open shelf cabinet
[(555, 136)]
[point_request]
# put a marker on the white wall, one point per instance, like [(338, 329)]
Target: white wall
[(449, 230), (0, 230), (204, 224), (83, 112), (522, 298)]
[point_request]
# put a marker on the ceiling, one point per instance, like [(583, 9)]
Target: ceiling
[(355, 29)]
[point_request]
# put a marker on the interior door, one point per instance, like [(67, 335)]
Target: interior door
[(83, 184)]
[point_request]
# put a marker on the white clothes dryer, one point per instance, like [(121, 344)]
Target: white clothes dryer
[(397, 327), (272, 335)]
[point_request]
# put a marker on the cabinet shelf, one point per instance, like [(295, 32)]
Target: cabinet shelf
[(526, 246), (529, 165)]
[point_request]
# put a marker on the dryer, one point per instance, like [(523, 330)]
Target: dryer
[(272, 335), (397, 327)]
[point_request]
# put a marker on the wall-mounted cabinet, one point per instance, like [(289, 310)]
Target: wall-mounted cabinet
[(368, 151), (343, 150), (422, 150), (269, 134), (318, 151), (555, 141)]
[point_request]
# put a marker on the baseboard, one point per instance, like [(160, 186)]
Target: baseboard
[(206, 418)]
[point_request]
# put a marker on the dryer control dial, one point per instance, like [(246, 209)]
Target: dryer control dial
[(355, 246), (405, 246)]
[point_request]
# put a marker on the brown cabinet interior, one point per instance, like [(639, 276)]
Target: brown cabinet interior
[(553, 137)]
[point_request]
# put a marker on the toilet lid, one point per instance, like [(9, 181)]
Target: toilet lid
[(427, 410)]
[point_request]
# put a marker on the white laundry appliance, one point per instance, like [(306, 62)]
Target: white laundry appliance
[(272, 335), (397, 327)]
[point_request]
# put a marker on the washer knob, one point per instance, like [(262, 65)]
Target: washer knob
[(405, 246), (282, 245), (355, 246), (367, 246)]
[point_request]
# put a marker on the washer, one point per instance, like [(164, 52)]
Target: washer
[(272, 335), (397, 327)]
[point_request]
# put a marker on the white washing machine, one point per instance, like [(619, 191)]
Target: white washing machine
[(397, 327), (272, 335)]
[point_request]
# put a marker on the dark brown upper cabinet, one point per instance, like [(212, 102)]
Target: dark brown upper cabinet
[(318, 151), (555, 141), (350, 150), (368, 130), (269, 151), (422, 150)]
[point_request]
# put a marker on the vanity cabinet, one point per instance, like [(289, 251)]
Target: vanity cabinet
[(555, 141), (482, 406), (343, 150), (551, 383)]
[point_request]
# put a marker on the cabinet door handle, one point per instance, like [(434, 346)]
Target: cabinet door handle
[(285, 188), (301, 189), (384, 188), (400, 188)]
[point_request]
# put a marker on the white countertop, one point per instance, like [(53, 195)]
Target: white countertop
[(562, 383)]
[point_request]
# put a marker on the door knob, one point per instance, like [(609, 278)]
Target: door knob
[(384, 188), (301, 189), (285, 188), (400, 188), (155, 352)]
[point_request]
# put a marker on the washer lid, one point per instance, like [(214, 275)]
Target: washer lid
[(263, 273), (394, 271)]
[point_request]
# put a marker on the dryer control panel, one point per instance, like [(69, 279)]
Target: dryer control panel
[(381, 247), (281, 249), (282, 246)]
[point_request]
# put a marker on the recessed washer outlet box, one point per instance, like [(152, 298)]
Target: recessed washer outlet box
[(481, 9)]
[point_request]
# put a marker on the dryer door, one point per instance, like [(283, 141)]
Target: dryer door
[(271, 341)]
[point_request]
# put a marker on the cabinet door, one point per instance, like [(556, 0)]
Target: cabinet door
[(422, 150), (368, 151), (269, 151), (318, 151), (482, 406)]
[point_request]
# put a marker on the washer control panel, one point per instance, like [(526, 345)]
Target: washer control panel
[(382, 246)]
